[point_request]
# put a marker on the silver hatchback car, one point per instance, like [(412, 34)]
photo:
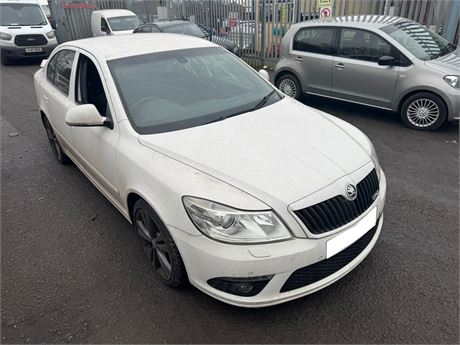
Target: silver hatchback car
[(381, 61)]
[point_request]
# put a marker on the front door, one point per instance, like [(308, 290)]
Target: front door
[(312, 48), (357, 76), (95, 147)]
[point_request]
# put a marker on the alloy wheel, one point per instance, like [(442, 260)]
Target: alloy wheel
[(288, 87), (55, 146), (423, 112), (154, 244)]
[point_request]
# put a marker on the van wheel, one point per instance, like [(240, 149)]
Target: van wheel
[(158, 246), (5, 60), (289, 85), (424, 111), (54, 143)]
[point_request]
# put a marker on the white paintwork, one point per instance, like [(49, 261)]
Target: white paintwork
[(96, 17), (84, 115), (26, 29), (283, 156), (264, 74)]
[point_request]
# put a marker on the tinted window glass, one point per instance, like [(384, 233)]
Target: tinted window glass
[(104, 25), (314, 40), (185, 88), (421, 42), (59, 69), (89, 88), (50, 69), (64, 61), (362, 45), (190, 29)]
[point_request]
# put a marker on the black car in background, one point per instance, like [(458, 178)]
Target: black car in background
[(186, 28)]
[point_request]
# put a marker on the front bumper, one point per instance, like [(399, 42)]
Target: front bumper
[(206, 259), (15, 52)]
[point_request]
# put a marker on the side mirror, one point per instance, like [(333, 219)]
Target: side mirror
[(105, 30), (43, 63), (386, 60), (86, 115), (53, 24), (264, 74)]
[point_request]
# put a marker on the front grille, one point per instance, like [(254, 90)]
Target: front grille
[(30, 40), (338, 211), (311, 274)]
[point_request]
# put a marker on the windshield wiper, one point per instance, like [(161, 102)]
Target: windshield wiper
[(263, 101)]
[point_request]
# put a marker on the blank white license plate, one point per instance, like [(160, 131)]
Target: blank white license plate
[(33, 50), (350, 236)]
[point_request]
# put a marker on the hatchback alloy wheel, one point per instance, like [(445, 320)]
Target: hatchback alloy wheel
[(423, 112), (289, 85)]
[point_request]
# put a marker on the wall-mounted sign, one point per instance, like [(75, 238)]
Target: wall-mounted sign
[(325, 12)]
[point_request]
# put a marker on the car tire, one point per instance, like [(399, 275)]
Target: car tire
[(5, 60), (424, 111), (56, 147), (289, 85), (158, 245)]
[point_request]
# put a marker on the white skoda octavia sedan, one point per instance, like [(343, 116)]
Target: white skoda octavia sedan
[(251, 196)]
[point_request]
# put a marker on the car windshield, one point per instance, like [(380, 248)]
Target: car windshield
[(123, 23), (21, 14), (179, 89), (418, 40), (190, 29)]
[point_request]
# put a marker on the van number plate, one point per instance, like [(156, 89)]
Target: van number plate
[(33, 50)]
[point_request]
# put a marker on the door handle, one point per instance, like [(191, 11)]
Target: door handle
[(45, 97), (340, 66), (298, 58)]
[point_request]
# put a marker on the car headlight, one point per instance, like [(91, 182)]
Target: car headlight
[(50, 35), (453, 80), (226, 224), (5, 36)]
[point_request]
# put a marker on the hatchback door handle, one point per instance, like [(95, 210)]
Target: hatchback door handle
[(298, 58), (340, 66)]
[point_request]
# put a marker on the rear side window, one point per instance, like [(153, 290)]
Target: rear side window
[(315, 40), (362, 45), (59, 70)]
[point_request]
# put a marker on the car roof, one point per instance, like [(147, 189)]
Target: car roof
[(362, 21), (166, 23), (120, 46), (115, 13)]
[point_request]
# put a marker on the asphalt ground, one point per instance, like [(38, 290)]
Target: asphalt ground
[(73, 271)]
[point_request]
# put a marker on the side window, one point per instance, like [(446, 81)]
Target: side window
[(104, 26), (315, 40), (89, 89), (362, 45), (50, 68), (59, 70), (146, 29), (154, 29)]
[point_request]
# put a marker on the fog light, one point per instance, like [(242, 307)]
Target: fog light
[(247, 287), (244, 289)]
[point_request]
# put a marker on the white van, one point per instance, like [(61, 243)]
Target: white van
[(113, 22), (25, 32)]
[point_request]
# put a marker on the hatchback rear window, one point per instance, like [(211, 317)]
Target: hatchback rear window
[(314, 40)]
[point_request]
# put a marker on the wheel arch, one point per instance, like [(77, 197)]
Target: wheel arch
[(413, 92), (283, 72)]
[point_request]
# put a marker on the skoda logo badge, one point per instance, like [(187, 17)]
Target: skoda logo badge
[(351, 191)]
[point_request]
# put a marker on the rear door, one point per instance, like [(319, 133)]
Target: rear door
[(357, 75), (56, 94), (312, 48)]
